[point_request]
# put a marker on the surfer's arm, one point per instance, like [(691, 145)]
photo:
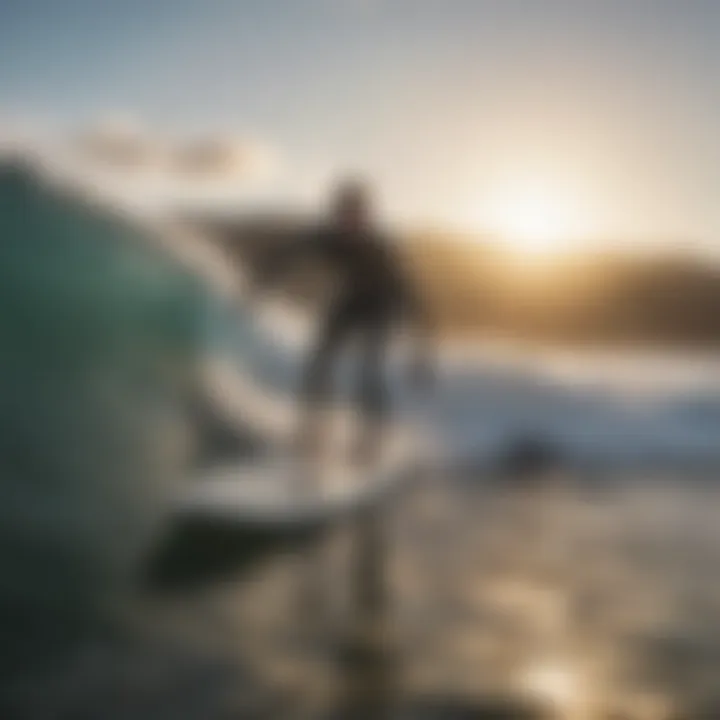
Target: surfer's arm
[(283, 258)]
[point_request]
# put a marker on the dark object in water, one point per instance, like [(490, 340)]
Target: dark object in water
[(529, 455), (197, 553)]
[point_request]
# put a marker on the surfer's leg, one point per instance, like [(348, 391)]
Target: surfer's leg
[(373, 396), (316, 384)]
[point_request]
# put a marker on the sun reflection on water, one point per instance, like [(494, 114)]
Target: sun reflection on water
[(554, 684)]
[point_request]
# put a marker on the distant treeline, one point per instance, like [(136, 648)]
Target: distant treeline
[(473, 289), (604, 299)]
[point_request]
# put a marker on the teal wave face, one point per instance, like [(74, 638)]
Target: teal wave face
[(100, 340)]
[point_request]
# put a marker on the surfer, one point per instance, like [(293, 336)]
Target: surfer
[(374, 297)]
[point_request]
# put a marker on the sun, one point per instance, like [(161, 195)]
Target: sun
[(533, 217), (534, 222), (536, 219)]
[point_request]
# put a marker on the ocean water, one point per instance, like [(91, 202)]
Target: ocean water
[(584, 589), (549, 601)]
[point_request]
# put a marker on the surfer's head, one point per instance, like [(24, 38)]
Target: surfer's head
[(351, 205)]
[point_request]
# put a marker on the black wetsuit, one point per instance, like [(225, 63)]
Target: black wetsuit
[(374, 295)]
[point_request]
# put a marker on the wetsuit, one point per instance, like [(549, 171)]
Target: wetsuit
[(374, 295)]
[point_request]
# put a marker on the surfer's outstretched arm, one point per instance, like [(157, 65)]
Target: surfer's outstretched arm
[(280, 260)]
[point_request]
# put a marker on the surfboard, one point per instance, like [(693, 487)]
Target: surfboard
[(231, 517), (287, 490)]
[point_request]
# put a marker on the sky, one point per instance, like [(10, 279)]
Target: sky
[(592, 118)]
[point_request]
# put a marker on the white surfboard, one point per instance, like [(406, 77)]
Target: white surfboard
[(284, 490)]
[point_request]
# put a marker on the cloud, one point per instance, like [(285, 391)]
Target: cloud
[(217, 157), (123, 144), (117, 143), (125, 157)]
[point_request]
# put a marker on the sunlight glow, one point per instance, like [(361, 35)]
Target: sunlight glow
[(533, 214), (553, 684), (536, 219)]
